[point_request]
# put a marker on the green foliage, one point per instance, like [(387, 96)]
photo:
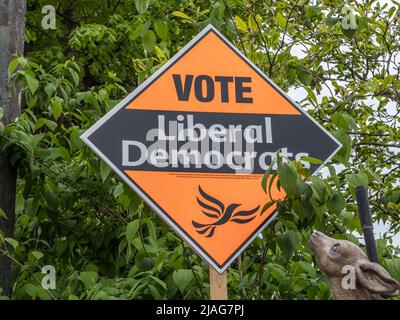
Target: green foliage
[(105, 243), (182, 279)]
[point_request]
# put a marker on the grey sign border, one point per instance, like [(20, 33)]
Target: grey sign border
[(200, 251)]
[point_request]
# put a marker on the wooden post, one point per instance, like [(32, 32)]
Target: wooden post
[(12, 26), (218, 285)]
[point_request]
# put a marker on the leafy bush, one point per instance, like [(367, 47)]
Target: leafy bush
[(105, 243)]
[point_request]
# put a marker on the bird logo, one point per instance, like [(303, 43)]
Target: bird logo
[(221, 215)]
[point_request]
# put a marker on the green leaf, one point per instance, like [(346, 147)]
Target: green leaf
[(131, 230), (151, 228), (346, 217), (56, 107), (182, 278), (161, 29), (291, 73), (136, 33), (271, 182), (330, 21), (312, 160), (304, 210), (252, 23), (160, 282), (337, 203), (12, 241), (33, 84), (118, 189), (267, 206), (31, 290), (289, 242), (277, 271), (154, 292), (91, 267), (265, 178), (264, 182), (241, 25), (22, 61), (313, 12), (65, 153), (344, 153), (160, 53), (88, 278), (312, 96), (281, 20), (373, 175), (305, 77), (141, 5), (50, 88), (349, 237), (303, 189), (1, 113), (149, 40), (344, 120), (43, 121), (35, 139), (349, 33), (37, 254), (394, 197), (105, 171), (12, 66), (181, 15), (350, 121), (357, 180), (362, 22), (391, 11), (319, 188), (393, 266), (287, 177), (74, 75)]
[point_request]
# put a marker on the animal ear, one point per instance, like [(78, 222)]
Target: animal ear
[(376, 279)]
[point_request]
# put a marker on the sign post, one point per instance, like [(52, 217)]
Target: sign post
[(218, 285), (364, 213), (195, 139)]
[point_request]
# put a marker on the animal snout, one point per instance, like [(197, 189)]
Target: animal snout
[(316, 234), (315, 239)]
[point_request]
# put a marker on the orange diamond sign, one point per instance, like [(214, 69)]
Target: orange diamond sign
[(195, 139)]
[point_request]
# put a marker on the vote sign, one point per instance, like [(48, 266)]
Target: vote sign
[(195, 139)]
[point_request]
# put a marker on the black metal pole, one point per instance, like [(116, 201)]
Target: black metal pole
[(366, 223)]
